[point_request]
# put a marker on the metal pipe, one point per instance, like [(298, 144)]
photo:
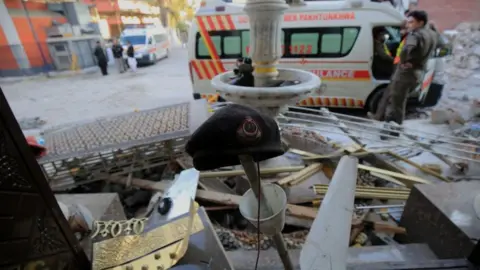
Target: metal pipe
[(265, 208), (380, 206), (356, 120), (389, 144), (363, 127)]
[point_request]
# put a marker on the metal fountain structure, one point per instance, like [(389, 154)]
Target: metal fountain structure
[(327, 243)]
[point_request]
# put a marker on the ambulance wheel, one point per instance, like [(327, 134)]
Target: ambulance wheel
[(374, 99)]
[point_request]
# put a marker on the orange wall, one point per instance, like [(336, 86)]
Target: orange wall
[(29, 4), (30, 46), (8, 60)]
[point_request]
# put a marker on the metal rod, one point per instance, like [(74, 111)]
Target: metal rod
[(376, 129), (378, 140), (265, 208), (357, 119), (380, 206)]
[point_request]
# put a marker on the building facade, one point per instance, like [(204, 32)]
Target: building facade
[(25, 26), (23, 46)]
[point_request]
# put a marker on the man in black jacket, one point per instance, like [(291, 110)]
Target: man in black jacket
[(101, 58), (132, 62), (117, 50)]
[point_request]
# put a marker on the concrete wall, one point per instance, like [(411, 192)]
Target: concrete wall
[(447, 14)]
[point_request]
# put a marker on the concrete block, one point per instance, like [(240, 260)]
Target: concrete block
[(443, 217)]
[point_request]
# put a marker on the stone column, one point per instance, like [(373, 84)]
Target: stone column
[(265, 18)]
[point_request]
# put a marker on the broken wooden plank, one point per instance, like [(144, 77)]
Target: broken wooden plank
[(387, 178), (418, 166), (217, 197), (298, 177), (295, 211), (341, 153), (408, 180), (264, 171)]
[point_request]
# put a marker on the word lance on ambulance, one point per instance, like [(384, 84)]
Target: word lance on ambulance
[(293, 49), (329, 16)]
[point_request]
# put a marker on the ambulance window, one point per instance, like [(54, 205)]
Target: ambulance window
[(304, 43), (349, 37), (331, 43), (232, 45), (202, 49), (245, 43)]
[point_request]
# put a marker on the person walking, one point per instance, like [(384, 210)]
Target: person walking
[(101, 58), (132, 62), (416, 51), (117, 50)]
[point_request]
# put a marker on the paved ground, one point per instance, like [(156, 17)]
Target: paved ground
[(89, 96)]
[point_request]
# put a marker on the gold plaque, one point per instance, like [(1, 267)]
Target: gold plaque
[(123, 249)]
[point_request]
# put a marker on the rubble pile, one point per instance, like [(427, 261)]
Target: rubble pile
[(234, 239), (465, 51), (463, 70)]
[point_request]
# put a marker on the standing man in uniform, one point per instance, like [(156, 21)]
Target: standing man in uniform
[(379, 114), (418, 47)]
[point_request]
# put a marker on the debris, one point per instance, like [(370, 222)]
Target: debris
[(217, 197), (300, 176), (369, 193), (408, 180), (360, 240), (265, 171), (475, 109), (31, 123), (433, 167)]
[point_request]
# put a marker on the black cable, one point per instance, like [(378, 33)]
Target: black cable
[(258, 216)]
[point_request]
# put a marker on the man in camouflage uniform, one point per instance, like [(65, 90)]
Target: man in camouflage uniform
[(419, 46)]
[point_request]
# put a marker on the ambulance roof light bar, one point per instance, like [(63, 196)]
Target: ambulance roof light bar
[(215, 3), (356, 3)]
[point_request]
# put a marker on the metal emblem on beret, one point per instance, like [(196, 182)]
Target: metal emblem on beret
[(249, 131)]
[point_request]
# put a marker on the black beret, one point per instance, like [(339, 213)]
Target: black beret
[(232, 131)]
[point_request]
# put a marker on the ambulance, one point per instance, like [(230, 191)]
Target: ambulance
[(151, 43), (332, 39)]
